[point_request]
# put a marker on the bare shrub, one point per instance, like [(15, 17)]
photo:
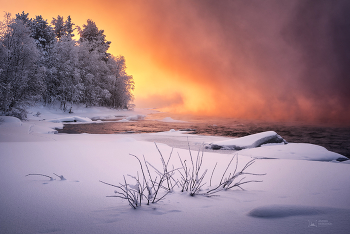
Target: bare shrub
[(153, 189), (192, 179)]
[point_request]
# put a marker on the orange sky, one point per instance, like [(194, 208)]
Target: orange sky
[(224, 58)]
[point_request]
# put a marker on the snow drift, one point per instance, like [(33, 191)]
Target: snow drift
[(71, 119), (250, 141), (299, 151)]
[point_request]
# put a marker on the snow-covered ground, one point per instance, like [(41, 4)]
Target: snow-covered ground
[(304, 190)]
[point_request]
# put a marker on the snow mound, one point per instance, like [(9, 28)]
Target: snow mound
[(171, 120), (10, 119), (281, 211), (71, 119), (250, 141), (299, 151)]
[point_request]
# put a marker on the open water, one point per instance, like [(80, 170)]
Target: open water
[(334, 138)]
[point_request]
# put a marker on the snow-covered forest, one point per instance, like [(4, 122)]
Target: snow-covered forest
[(42, 61)]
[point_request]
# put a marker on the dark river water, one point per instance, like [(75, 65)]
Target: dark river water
[(334, 138)]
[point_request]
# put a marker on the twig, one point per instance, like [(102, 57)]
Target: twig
[(41, 175), (61, 176), (212, 173), (227, 168)]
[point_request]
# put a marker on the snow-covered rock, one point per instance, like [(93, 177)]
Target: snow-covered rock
[(299, 151), (251, 141)]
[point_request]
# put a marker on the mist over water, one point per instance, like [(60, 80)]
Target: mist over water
[(277, 60), (320, 31)]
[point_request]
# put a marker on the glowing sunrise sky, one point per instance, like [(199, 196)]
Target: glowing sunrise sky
[(274, 59)]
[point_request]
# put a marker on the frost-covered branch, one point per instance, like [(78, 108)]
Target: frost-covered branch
[(229, 182), (51, 178)]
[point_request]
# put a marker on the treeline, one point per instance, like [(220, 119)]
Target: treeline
[(40, 61)]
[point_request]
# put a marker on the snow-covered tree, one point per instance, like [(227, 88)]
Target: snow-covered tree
[(38, 60), (70, 86), (24, 17), (43, 33), (122, 84), (5, 25), (21, 80), (68, 26), (105, 80), (59, 28), (63, 28), (92, 69), (96, 39)]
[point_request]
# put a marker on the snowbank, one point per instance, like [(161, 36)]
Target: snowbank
[(44, 120), (41, 112), (250, 141), (14, 130), (299, 151), (10, 120), (71, 119)]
